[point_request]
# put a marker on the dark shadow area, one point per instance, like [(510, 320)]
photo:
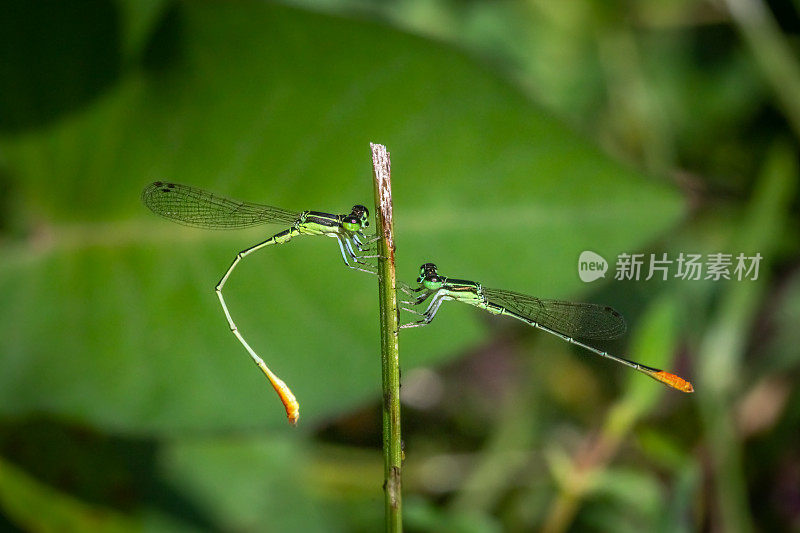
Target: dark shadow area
[(54, 57), (164, 47), (5, 201), (113, 472), (6, 526)]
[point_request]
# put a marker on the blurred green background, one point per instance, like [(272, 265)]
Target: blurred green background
[(522, 133)]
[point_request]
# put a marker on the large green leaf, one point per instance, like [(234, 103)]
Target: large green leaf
[(109, 314), (272, 489)]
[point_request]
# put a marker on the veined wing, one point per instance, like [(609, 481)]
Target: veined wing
[(202, 209), (577, 320)]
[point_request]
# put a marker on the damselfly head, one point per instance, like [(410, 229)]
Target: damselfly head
[(428, 273), (362, 214)]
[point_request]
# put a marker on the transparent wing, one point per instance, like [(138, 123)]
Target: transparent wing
[(195, 207), (577, 320)]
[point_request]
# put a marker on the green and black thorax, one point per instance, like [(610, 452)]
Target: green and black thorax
[(460, 289), (355, 221)]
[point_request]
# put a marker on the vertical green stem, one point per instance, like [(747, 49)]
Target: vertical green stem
[(390, 360)]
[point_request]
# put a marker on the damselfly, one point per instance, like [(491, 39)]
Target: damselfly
[(567, 320), (202, 209)]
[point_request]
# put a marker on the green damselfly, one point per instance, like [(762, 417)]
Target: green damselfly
[(569, 321), (202, 209)]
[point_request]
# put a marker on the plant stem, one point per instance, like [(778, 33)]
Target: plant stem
[(390, 360)]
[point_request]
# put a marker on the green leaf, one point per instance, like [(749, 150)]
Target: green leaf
[(265, 486), (109, 316)]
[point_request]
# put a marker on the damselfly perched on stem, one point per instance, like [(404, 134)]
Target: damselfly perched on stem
[(202, 209), (567, 320)]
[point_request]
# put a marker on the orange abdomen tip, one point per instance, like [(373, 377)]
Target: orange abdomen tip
[(288, 399), (676, 382), (290, 403), (293, 415)]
